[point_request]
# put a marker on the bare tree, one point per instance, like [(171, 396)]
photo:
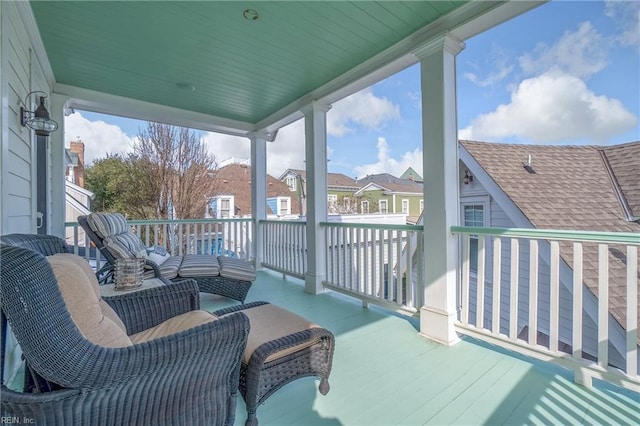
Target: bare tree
[(179, 166)]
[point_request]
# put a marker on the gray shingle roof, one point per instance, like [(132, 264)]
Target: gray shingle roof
[(569, 187)]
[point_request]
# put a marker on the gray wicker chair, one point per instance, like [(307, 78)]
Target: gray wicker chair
[(233, 286), (190, 377)]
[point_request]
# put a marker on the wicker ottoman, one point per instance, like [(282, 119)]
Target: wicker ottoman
[(282, 347)]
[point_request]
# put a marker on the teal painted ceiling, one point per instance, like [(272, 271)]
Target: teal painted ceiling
[(206, 57)]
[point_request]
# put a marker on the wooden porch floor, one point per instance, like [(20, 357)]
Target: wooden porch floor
[(384, 373)]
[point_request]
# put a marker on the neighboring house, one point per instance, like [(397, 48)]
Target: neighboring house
[(385, 193), (587, 188), (340, 190), (77, 198), (411, 174), (232, 194)]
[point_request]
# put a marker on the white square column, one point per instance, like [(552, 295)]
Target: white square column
[(258, 194), (315, 131), (58, 190), (441, 212)]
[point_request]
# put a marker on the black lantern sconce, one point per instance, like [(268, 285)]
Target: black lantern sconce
[(38, 120), (468, 177)]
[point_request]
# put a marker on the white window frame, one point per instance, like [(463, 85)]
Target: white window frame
[(221, 211), (484, 201), (384, 210), (292, 182), (362, 207), (405, 202), (287, 208), (421, 206)]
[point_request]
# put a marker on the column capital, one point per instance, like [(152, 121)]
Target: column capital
[(443, 42), (315, 106), (263, 134)]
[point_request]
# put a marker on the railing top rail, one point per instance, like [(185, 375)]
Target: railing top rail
[(372, 226), (290, 222), (174, 221), (552, 234)]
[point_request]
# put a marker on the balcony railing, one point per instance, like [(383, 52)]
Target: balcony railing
[(521, 288), (285, 246), (548, 292), (230, 237), (382, 264)]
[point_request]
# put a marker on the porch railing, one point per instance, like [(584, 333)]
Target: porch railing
[(546, 293), (231, 237), (381, 264), (285, 246)]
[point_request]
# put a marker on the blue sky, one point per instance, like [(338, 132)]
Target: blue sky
[(567, 72)]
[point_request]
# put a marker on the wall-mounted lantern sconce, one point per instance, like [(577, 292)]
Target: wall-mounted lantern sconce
[(38, 120), (468, 177)]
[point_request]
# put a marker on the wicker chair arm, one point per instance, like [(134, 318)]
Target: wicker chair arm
[(45, 244), (147, 308), (211, 348), (150, 265)]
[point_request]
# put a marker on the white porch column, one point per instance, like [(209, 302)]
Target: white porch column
[(258, 193), (57, 192), (440, 161), (315, 130)]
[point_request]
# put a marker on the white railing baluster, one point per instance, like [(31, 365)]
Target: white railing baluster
[(497, 271), (480, 285), (632, 310), (554, 297), (603, 305), (533, 292), (464, 293), (513, 290), (577, 301)]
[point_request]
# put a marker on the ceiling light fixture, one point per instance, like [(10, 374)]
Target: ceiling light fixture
[(40, 121), (186, 86), (250, 15)]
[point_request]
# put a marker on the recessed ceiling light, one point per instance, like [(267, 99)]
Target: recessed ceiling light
[(250, 15), (186, 86)]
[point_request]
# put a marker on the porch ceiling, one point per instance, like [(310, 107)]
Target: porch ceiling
[(205, 57)]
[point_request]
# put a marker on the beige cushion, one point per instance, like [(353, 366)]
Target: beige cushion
[(270, 322), (174, 325), (84, 305), (107, 310)]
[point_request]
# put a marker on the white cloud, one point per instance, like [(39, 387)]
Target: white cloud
[(362, 108), (502, 67), (287, 151), (581, 53), (553, 107), (100, 138), (227, 146), (626, 15), (388, 164)]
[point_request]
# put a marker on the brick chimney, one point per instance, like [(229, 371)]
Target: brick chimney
[(77, 147)]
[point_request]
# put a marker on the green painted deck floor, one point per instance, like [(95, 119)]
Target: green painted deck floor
[(384, 373)]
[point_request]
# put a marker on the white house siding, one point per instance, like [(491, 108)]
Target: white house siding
[(21, 74), (499, 218)]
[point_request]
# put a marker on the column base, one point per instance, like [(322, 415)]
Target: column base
[(438, 326), (313, 283)]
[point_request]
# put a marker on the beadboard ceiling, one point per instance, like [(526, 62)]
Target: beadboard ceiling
[(206, 57)]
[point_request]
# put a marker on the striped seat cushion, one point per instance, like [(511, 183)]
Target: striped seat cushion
[(199, 265), (107, 224), (169, 269), (236, 269), (125, 246)]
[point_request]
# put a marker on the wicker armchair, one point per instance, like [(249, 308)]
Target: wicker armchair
[(214, 274), (190, 377)]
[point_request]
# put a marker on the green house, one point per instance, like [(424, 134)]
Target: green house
[(384, 193)]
